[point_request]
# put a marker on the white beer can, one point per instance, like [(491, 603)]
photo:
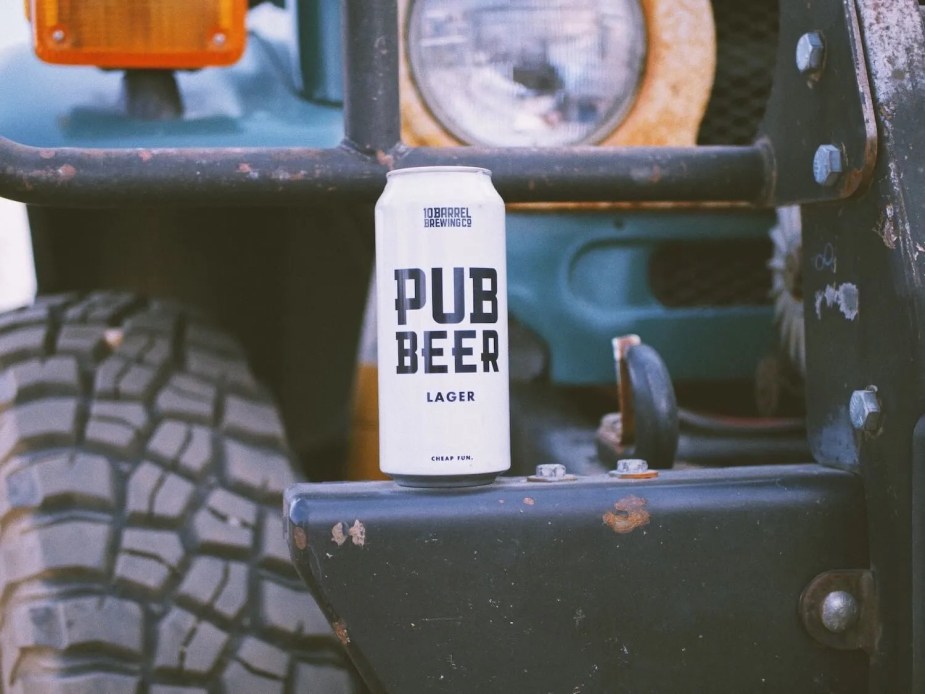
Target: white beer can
[(441, 277)]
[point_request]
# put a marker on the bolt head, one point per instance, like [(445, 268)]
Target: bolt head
[(810, 53), (551, 471), (828, 165), (864, 410), (839, 611)]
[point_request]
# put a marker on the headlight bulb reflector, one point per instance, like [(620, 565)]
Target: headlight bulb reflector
[(527, 72)]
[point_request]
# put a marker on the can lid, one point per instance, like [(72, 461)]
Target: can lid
[(438, 169)]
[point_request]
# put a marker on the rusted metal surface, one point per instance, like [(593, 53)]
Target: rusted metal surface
[(114, 177), (877, 336), (109, 178), (340, 629), (637, 590), (860, 585), (647, 475), (629, 513)]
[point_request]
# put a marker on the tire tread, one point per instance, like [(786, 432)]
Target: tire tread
[(141, 470)]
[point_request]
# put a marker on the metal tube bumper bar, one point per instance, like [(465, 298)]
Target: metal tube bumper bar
[(113, 177)]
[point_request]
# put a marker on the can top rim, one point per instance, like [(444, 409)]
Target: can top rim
[(438, 169)]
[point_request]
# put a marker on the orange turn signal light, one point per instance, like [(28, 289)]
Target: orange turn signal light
[(138, 33)]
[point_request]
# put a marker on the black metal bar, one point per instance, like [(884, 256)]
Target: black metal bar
[(690, 582), (117, 177), (567, 174), (371, 116), (114, 177)]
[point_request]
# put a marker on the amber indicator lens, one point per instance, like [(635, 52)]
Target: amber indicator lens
[(139, 33)]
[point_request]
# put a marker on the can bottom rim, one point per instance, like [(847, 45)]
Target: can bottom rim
[(444, 481)]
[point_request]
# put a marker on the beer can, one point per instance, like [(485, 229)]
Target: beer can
[(441, 278)]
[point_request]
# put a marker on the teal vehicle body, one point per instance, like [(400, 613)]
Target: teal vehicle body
[(576, 278)]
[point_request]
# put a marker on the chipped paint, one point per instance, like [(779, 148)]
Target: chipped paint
[(629, 513), (385, 159), (357, 533), (341, 630), (338, 536), (895, 48), (844, 297), (67, 172), (893, 35), (886, 227), (145, 155), (113, 337), (529, 501), (299, 537)]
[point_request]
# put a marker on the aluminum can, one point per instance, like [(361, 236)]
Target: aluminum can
[(441, 277)]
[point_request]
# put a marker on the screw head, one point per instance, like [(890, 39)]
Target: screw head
[(864, 410), (810, 53), (58, 35), (828, 165), (219, 39), (839, 611)]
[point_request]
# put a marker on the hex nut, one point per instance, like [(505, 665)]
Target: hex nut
[(839, 611), (810, 53), (828, 165), (551, 472), (864, 410), (631, 465)]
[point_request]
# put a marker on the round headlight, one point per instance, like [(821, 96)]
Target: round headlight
[(527, 72)]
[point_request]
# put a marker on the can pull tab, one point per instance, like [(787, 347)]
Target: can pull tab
[(646, 426)]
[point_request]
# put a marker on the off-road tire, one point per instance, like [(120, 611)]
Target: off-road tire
[(141, 546)]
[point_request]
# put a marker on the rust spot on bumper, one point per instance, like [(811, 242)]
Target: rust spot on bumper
[(299, 537), (67, 172), (385, 159), (629, 513), (341, 630)]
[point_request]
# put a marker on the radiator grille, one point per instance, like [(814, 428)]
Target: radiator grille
[(715, 273), (746, 46)]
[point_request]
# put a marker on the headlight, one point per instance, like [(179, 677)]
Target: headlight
[(527, 72)]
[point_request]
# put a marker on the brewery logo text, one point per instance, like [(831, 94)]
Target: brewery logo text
[(447, 217)]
